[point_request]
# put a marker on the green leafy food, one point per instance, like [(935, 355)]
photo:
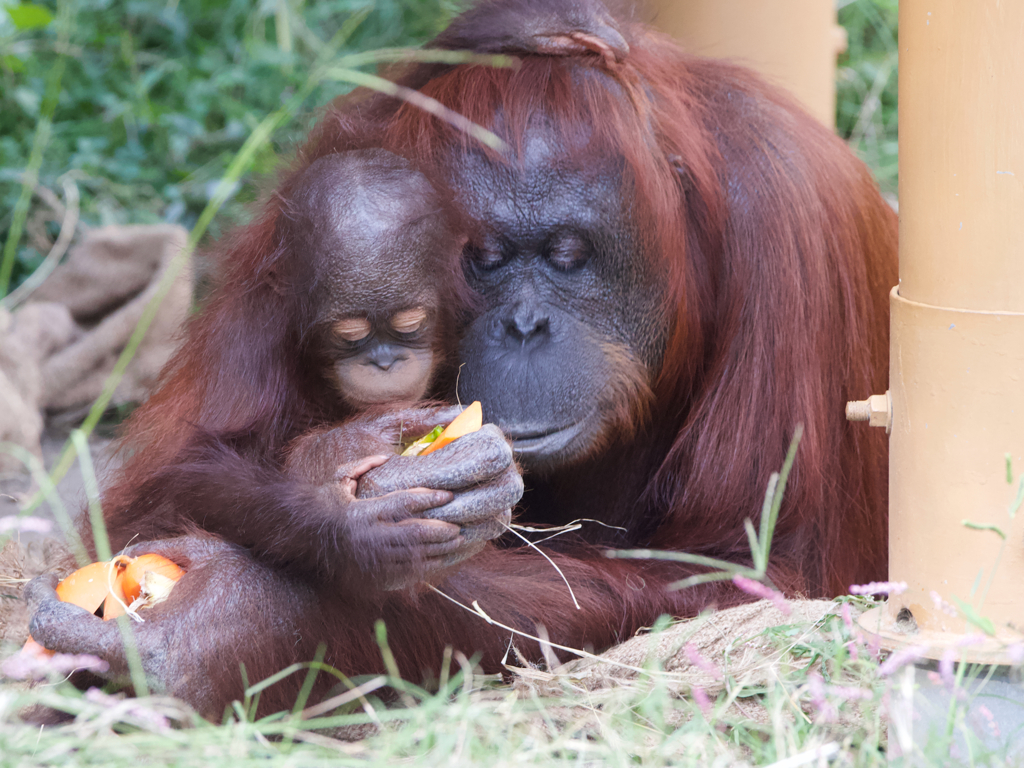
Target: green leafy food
[(418, 446)]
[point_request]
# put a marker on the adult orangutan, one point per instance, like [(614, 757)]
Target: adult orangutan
[(676, 267)]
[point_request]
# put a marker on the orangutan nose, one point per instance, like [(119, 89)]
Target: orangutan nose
[(385, 357), (528, 322)]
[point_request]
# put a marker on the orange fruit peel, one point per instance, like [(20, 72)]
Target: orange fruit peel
[(121, 585)]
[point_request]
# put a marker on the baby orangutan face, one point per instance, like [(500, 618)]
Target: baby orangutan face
[(377, 262), (384, 359)]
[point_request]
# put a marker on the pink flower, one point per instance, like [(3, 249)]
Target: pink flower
[(819, 701), (131, 709), (25, 524), (947, 675), (757, 589), (899, 659), (25, 665), (946, 668), (874, 646), (879, 588), (701, 697), (694, 657), (850, 693), (847, 617), (1016, 653), (986, 713), (822, 696), (851, 648)]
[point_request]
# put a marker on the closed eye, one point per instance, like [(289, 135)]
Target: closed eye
[(567, 254), (352, 328), (483, 259), (408, 320)]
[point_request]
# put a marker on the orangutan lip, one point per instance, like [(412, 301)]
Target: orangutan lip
[(547, 441), (535, 434)]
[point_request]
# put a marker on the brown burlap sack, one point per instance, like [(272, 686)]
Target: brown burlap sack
[(728, 643), (18, 564), (27, 339), (106, 283), (109, 267), (57, 351), (732, 649)]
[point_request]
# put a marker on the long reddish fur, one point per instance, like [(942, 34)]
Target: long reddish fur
[(779, 252)]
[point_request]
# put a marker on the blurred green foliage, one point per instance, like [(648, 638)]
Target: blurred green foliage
[(157, 96), (866, 86)]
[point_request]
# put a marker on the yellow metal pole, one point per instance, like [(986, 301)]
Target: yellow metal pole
[(793, 43), (957, 354)]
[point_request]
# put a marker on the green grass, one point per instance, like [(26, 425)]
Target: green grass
[(814, 690), (543, 720), (810, 688)]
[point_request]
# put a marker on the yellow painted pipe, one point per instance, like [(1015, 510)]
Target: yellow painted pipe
[(961, 117), (793, 44), (957, 341)]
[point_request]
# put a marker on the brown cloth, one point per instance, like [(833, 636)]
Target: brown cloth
[(19, 563), (58, 350), (26, 340)]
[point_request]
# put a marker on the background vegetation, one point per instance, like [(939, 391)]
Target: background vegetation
[(148, 101), (866, 86), (145, 102)]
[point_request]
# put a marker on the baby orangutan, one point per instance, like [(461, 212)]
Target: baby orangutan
[(373, 248), (368, 283)]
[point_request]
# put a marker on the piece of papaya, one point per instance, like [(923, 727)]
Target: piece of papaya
[(470, 420)]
